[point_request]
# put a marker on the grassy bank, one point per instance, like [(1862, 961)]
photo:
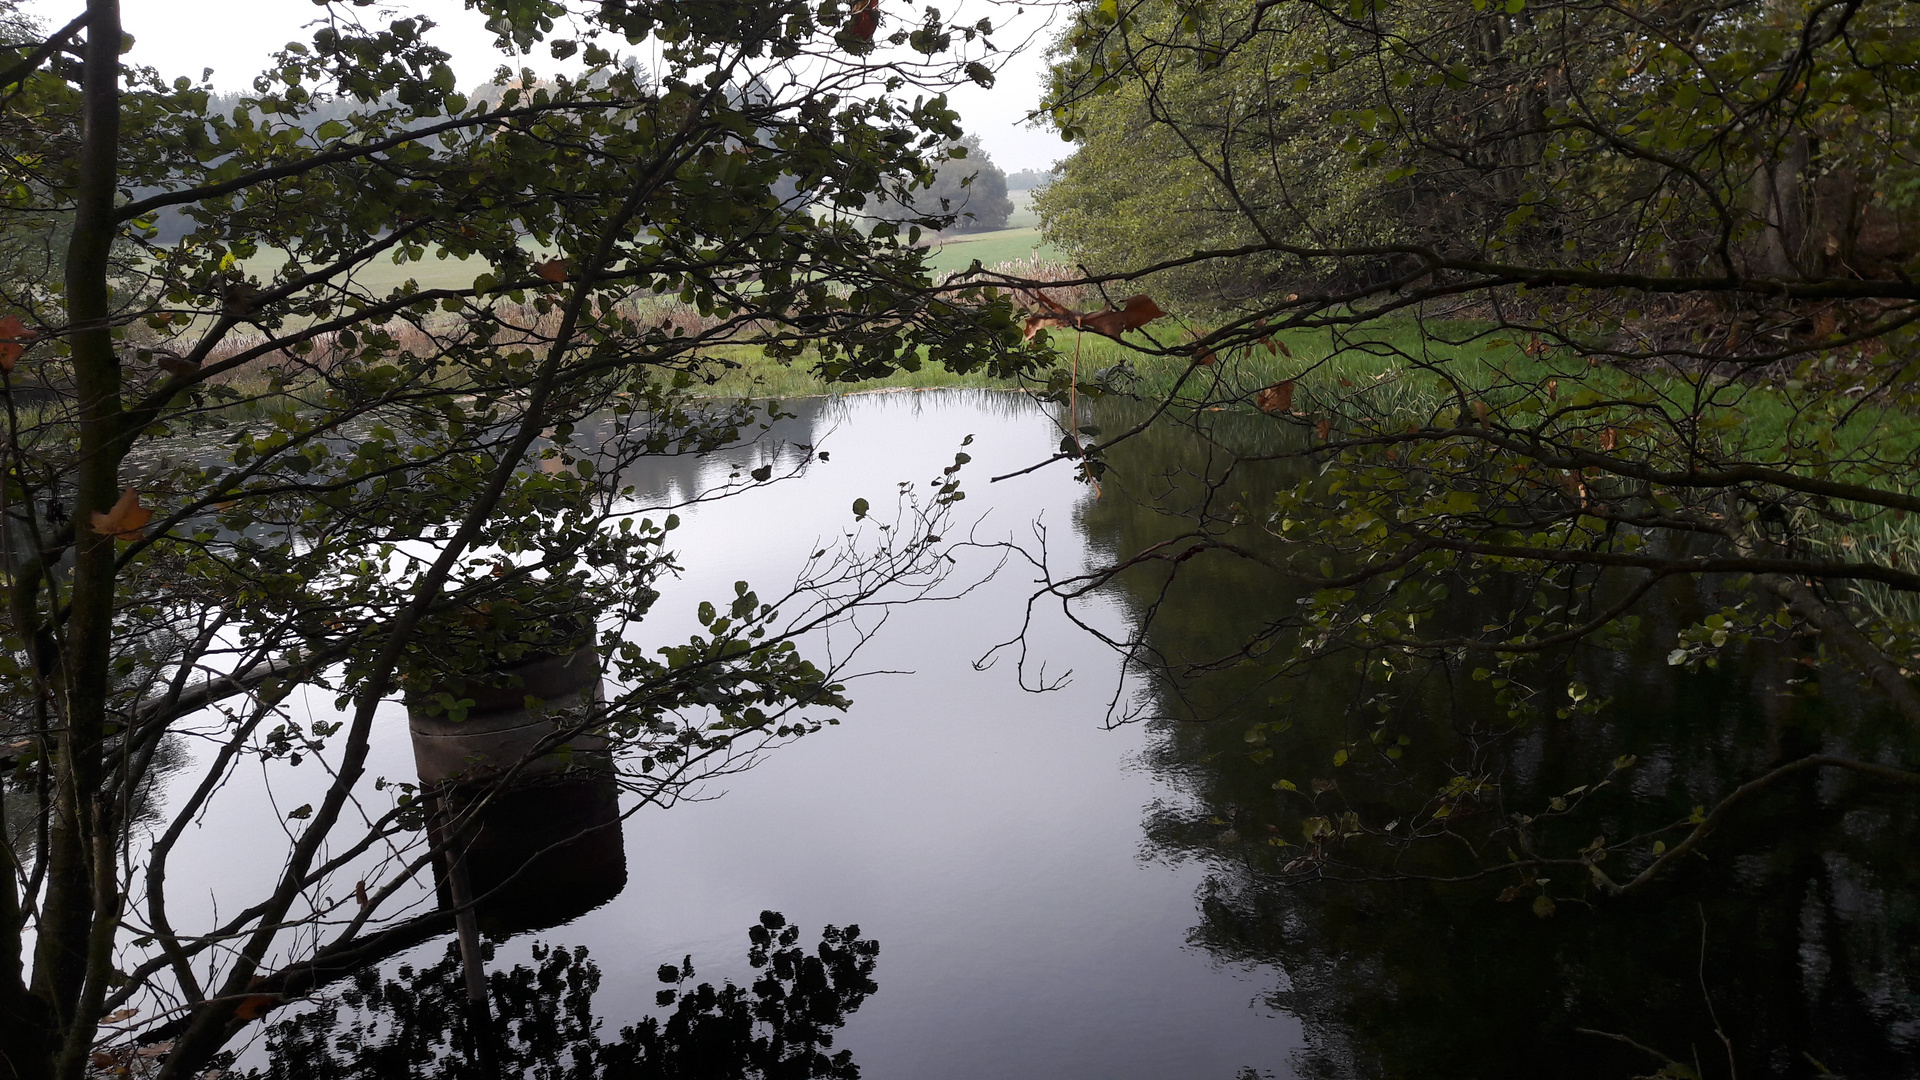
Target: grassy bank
[(1403, 371)]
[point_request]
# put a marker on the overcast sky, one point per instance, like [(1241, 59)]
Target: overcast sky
[(234, 38)]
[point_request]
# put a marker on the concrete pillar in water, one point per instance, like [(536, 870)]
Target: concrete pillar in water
[(536, 815)]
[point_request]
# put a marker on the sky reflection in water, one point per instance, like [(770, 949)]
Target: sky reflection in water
[(991, 840)]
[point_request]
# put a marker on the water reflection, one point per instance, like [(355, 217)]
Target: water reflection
[(987, 835), (1790, 947), (414, 1022)]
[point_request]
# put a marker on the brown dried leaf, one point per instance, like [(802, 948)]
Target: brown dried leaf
[(1141, 310), (554, 270), (125, 519), (866, 19), (1277, 398), (14, 336), (253, 1006), (1137, 312), (1037, 323), (1201, 354), (1051, 304)]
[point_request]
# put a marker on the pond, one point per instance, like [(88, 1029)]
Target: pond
[(1054, 894)]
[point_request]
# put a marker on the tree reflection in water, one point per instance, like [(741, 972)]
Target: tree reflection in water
[(1795, 934), (415, 1021)]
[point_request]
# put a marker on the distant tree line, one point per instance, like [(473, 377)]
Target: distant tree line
[(967, 187), (1028, 179)]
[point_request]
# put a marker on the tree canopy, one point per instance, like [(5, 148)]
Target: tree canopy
[(1678, 144), (360, 425), (1562, 331), (967, 193)]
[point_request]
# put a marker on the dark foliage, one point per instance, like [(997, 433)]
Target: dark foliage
[(415, 1022)]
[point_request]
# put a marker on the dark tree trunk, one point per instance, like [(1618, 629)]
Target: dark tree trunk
[(73, 951)]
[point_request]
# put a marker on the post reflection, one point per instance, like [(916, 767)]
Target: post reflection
[(523, 800)]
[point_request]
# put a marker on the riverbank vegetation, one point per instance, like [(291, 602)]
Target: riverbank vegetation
[(1639, 298), (1560, 319)]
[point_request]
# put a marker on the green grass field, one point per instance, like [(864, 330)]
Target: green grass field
[(950, 254), (1024, 215), (1374, 373), (1020, 240), (958, 251)]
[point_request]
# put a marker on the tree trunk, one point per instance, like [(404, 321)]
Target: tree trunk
[(70, 967), (1783, 198)]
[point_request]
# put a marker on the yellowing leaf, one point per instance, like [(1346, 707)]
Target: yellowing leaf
[(176, 365), (126, 518)]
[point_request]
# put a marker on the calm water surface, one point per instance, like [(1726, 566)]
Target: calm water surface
[(988, 837), (1057, 898)]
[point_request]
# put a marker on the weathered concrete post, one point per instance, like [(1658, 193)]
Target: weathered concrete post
[(536, 816)]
